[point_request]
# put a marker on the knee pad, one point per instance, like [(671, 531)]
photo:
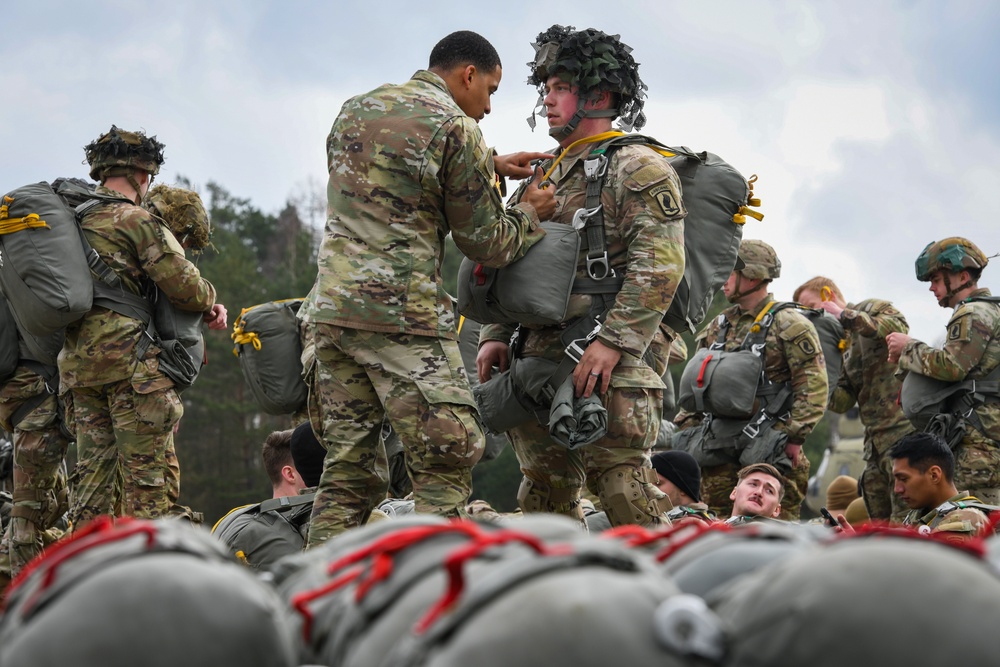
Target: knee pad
[(534, 496), (629, 495)]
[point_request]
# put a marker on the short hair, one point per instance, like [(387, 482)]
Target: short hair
[(975, 273), (923, 450), (277, 453), (464, 48), (816, 285), (767, 469)]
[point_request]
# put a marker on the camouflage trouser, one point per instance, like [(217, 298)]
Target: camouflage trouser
[(123, 438), (39, 494), (977, 466), (876, 486), (718, 482), (555, 475), (419, 383)]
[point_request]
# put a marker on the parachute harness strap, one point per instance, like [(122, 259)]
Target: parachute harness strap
[(382, 552)]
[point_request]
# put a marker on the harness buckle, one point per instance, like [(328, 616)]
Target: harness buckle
[(583, 216), (575, 350), (601, 262), (595, 167)]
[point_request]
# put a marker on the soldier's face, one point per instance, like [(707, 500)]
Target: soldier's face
[(560, 101), (477, 86), (917, 489), (669, 488), (757, 494), (810, 299), (942, 282)]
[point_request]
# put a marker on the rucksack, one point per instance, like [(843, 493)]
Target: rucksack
[(259, 535), (10, 351), (269, 348)]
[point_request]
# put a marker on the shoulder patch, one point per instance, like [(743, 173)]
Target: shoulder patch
[(959, 329), (804, 342)]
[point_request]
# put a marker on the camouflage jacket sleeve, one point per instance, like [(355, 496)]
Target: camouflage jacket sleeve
[(501, 332), (873, 318), (971, 329), (843, 398), (163, 260), (650, 220), (482, 229), (800, 347)]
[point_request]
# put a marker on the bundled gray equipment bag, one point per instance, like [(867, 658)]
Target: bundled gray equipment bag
[(733, 396), (269, 348), (514, 397), (43, 270), (353, 598), (534, 290), (181, 339), (169, 595)]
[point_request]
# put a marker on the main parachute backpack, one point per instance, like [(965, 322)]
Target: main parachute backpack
[(269, 349)]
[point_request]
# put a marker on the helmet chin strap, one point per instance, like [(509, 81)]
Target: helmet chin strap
[(737, 294), (561, 132), (952, 292)]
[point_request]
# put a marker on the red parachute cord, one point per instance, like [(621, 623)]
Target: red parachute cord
[(454, 565), (974, 546), (697, 531), (381, 552)]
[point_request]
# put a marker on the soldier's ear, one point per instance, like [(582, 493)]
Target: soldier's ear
[(935, 473), (776, 512)]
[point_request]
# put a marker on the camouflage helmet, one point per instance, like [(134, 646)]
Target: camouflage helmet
[(595, 62), (952, 254), (760, 262), (183, 213), (117, 152)]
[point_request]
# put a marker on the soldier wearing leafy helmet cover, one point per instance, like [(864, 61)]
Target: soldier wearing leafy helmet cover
[(953, 267), (792, 358), (586, 79), (123, 407)]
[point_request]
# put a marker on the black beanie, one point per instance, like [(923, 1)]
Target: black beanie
[(307, 454), (681, 469)]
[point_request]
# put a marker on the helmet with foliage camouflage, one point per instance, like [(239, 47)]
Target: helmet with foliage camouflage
[(168, 594), (595, 62), (760, 262), (952, 254), (117, 152), (183, 213)]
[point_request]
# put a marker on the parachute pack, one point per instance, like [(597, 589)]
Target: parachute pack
[(269, 349), (726, 384), (259, 535), (530, 291), (51, 277)]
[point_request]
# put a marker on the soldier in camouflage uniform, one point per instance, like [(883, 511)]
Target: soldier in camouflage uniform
[(29, 410), (644, 234), (867, 380), (408, 165), (971, 352), (923, 469), (792, 354), (122, 407)]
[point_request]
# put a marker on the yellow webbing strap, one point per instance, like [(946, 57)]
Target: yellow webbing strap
[(10, 225), (235, 509), (740, 217), (597, 138), (756, 321), (461, 321), (241, 337)]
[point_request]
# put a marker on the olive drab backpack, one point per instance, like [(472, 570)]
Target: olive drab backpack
[(269, 349), (259, 535)]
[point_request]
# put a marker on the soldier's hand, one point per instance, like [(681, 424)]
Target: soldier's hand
[(594, 370), (518, 165), (491, 353), (793, 451), (543, 199), (896, 342), (832, 308), (216, 318)]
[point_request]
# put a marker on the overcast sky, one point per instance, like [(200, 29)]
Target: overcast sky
[(872, 126)]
